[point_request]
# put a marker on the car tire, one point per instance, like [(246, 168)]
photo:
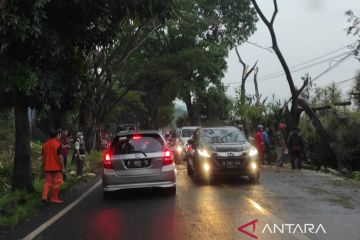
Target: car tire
[(189, 171), (254, 178), (171, 190), (198, 178), (107, 195)]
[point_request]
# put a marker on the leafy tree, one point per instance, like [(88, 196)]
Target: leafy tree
[(354, 28), (355, 93), (38, 45)]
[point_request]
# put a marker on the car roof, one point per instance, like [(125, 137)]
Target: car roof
[(190, 127), (219, 127), (125, 133)]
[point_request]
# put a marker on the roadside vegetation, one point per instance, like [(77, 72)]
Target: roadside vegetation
[(16, 206)]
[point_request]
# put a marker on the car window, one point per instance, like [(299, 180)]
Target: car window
[(141, 143), (187, 132), (222, 135)]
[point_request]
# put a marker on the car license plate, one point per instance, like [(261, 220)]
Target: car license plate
[(137, 163), (231, 163)]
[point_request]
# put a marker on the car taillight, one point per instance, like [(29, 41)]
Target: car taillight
[(168, 158), (107, 161), (136, 137)]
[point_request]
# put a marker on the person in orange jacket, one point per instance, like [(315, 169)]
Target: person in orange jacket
[(53, 166)]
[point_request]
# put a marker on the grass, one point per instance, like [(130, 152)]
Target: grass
[(356, 176), (18, 206)]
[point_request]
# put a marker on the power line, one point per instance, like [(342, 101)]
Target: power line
[(294, 70), (346, 81), (308, 66), (331, 67), (310, 60)]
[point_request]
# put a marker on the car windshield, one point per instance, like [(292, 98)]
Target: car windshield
[(222, 135), (148, 143), (126, 127), (187, 132)]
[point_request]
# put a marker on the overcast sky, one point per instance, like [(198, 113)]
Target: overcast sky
[(306, 29)]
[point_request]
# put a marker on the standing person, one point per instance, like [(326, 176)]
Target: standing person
[(295, 145), (79, 154), (266, 139), (281, 148), (65, 146), (53, 166), (259, 143)]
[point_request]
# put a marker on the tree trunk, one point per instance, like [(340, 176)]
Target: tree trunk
[(21, 178), (86, 123), (190, 110), (325, 139)]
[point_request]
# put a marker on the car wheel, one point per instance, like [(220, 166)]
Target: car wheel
[(106, 195), (189, 171), (254, 178), (171, 190), (198, 178)]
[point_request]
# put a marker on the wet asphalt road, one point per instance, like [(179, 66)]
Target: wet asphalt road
[(215, 211)]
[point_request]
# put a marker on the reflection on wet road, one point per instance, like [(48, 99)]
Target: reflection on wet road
[(213, 211)]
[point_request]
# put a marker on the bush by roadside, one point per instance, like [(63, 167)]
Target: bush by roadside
[(356, 175), (17, 206)]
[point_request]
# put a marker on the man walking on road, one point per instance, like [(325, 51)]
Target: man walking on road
[(295, 145), (53, 166), (79, 154)]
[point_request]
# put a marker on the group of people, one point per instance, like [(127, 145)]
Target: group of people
[(55, 153), (293, 147)]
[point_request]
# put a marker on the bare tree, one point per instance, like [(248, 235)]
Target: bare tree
[(294, 91), (298, 105), (245, 74)]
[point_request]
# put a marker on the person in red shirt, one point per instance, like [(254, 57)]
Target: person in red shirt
[(259, 143), (53, 166), (65, 146)]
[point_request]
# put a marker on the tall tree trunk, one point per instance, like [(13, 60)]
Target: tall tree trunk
[(325, 139), (191, 113), (21, 178), (86, 122)]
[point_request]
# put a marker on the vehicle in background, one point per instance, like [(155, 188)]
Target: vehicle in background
[(138, 160), (181, 147), (222, 151), (126, 128)]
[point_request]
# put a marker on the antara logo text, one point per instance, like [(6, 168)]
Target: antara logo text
[(285, 228)]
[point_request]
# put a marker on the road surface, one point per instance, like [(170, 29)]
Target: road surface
[(277, 208)]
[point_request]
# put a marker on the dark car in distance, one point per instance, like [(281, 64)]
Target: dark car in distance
[(222, 151)]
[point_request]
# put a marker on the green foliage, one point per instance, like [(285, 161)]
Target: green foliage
[(355, 92), (354, 28), (355, 175), (17, 206), (253, 115), (341, 123)]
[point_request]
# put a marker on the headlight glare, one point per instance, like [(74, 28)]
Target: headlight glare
[(253, 151), (203, 153), (179, 148), (253, 166)]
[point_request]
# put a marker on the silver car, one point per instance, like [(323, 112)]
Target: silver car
[(138, 160)]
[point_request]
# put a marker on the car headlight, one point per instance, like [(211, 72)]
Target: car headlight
[(206, 167), (179, 148), (253, 152), (253, 166), (203, 153)]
